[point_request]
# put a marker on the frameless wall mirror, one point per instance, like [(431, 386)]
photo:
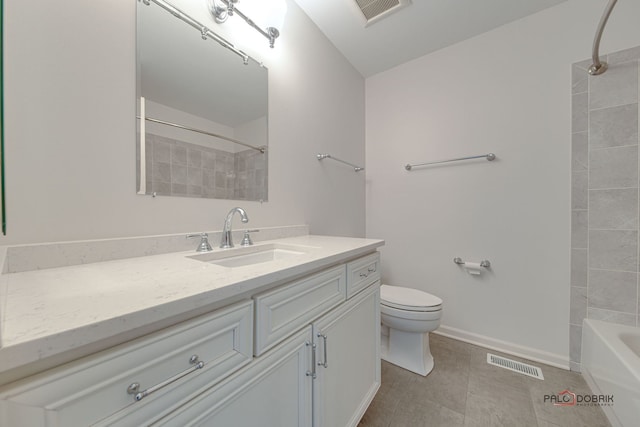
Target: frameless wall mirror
[(202, 113)]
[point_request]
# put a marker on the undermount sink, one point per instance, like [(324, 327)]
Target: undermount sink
[(250, 255)]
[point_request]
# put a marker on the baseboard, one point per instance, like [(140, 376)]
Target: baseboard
[(517, 350)]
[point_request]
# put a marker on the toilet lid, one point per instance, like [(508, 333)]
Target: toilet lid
[(408, 298)]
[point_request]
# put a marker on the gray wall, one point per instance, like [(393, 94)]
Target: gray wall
[(604, 195)]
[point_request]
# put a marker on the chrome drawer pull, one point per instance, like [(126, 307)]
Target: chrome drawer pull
[(325, 363), (139, 395), (312, 373), (369, 270)]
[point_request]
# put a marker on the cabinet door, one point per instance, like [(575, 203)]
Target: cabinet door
[(273, 391), (348, 359)]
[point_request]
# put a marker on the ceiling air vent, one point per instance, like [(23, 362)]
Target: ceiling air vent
[(374, 10)]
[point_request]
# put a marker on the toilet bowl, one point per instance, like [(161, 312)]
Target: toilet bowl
[(408, 315)]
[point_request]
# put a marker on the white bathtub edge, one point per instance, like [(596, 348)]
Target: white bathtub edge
[(608, 411), (601, 328), (610, 367)]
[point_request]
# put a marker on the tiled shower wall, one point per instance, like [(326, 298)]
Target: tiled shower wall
[(604, 196), (177, 168), (251, 175)]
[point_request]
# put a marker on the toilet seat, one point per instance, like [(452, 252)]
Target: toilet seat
[(409, 299), (413, 315)]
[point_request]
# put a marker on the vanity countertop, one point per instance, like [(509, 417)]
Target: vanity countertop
[(68, 312)]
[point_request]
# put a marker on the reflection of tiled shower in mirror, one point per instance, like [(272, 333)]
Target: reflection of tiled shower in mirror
[(178, 168), (203, 136), (178, 163), (184, 163)]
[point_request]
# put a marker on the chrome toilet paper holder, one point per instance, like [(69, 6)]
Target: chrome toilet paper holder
[(484, 263)]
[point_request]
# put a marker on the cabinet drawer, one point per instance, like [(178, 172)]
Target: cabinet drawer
[(362, 273), (273, 391), (290, 307), (85, 391)]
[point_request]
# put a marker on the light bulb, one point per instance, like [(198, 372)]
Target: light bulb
[(265, 13)]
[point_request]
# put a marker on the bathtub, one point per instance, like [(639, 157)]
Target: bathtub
[(611, 366)]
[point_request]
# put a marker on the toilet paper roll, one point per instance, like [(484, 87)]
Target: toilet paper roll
[(473, 268)]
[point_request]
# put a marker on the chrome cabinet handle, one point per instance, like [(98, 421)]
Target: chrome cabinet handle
[(139, 395), (312, 373), (325, 363), (369, 270)]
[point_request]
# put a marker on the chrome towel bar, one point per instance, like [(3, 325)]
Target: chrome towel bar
[(329, 156), (489, 157)]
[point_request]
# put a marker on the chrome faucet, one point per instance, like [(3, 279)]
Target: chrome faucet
[(226, 241)]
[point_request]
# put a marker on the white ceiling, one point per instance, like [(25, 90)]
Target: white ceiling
[(416, 30)]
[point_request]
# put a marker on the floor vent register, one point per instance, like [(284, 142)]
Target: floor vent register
[(515, 366)]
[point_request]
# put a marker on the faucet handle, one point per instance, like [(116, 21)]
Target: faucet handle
[(246, 241), (204, 245)]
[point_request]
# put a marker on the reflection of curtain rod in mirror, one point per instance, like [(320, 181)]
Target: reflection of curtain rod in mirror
[(204, 31), (222, 9), (204, 132)]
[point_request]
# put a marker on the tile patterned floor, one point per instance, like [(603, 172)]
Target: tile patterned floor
[(463, 390)]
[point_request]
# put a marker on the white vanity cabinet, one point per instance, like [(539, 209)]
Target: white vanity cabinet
[(346, 337), (324, 375), (303, 354)]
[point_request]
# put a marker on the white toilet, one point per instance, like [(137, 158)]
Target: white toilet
[(408, 315)]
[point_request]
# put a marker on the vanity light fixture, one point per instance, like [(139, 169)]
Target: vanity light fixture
[(271, 11)]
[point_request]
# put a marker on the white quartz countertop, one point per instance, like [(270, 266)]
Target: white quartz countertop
[(51, 312)]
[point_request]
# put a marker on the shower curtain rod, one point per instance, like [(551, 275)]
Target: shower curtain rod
[(204, 132), (598, 67)]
